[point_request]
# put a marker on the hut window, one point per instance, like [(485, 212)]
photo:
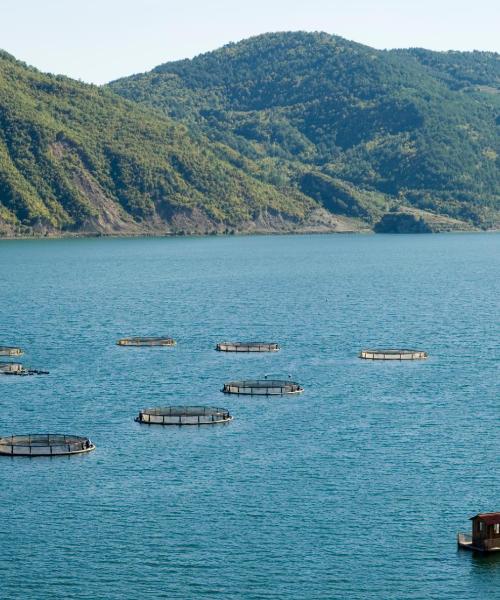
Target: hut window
[(496, 528), (481, 526)]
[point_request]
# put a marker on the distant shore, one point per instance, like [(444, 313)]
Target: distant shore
[(400, 221), (88, 235)]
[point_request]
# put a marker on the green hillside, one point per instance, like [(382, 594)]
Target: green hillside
[(76, 158), (357, 129), (282, 132)]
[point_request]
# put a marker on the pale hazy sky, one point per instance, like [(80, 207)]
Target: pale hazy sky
[(100, 40)]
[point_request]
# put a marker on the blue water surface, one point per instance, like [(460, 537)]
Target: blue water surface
[(355, 489)]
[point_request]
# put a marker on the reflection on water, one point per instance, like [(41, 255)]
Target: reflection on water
[(485, 562)]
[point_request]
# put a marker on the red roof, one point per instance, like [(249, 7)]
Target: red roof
[(488, 518)]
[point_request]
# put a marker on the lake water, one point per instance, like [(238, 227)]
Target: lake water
[(355, 489)]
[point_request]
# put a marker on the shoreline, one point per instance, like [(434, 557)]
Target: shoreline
[(76, 236)]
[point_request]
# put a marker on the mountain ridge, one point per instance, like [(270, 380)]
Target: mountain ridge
[(386, 122), (78, 159), (288, 132)]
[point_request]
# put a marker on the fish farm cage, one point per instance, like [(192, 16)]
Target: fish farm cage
[(247, 347), (45, 444), (392, 354), (10, 351), (184, 415), (9, 368), (262, 387), (146, 341), (13, 368)]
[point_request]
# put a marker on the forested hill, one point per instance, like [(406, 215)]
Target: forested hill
[(282, 132), (75, 158), (361, 131)]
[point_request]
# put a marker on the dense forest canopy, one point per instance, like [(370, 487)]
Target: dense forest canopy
[(285, 131), (75, 157), (418, 127)]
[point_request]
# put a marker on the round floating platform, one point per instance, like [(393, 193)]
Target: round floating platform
[(146, 341), (184, 415), (46, 444), (9, 368), (392, 354), (10, 351), (247, 347), (262, 387)]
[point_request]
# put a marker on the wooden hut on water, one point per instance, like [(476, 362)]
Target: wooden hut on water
[(485, 533)]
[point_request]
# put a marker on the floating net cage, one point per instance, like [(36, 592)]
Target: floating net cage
[(9, 368), (184, 415), (392, 354), (247, 347), (262, 387), (10, 351), (13, 368), (45, 444), (146, 341)]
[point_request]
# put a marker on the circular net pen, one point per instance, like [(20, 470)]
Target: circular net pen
[(262, 387), (146, 341), (12, 368), (392, 354), (9, 368), (10, 351), (46, 444), (247, 347), (184, 415)]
